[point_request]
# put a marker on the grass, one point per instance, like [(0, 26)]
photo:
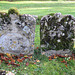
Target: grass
[(44, 67), (37, 36), (40, 8)]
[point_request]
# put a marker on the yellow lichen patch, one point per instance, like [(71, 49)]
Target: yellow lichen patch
[(25, 56), (2, 47), (14, 41), (0, 34), (13, 45), (29, 34), (32, 45), (74, 46)]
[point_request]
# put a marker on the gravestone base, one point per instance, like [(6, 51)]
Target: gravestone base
[(59, 52)]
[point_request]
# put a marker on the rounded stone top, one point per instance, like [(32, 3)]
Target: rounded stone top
[(28, 18)]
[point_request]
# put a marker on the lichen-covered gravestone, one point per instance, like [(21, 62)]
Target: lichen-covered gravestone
[(17, 34), (57, 32)]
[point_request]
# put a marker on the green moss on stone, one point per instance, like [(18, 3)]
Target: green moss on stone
[(3, 14), (13, 10), (51, 14), (20, 16)]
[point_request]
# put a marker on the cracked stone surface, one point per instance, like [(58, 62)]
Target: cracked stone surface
[(17, 34), (57, 32)]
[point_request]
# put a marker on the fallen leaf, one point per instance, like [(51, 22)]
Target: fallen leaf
[(63, 61), (61, 56), (50, 58), (70, 58), (37, 47), (13, 61), (20, 60), (9, 55), (30, 56), (1, 54), (34, 62), (23, 58), (13, 55), (9, 63), (55, 57), (6, 62), (15, 64), (27, 64), (21, 55), (4, 58), (66, 65), (37, 60), (0, 61)]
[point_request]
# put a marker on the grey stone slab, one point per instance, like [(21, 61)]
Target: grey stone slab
[(57, 32), (17, 37)]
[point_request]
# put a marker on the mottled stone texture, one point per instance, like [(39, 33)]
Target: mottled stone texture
[(17, 34), (59, 52), (57, 32)]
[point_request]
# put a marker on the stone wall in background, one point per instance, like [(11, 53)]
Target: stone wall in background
[(17, 34), (57, 32)]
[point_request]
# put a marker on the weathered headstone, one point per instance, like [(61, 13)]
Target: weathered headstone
[(57, 32), (17, 34)]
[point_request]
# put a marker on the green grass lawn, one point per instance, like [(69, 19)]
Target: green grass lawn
[(40, 8), (37, 36)]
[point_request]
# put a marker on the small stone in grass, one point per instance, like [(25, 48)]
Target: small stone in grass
[(2, 72)]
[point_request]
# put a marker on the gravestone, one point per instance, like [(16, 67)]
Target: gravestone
[(17, 34), (57, 32)]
